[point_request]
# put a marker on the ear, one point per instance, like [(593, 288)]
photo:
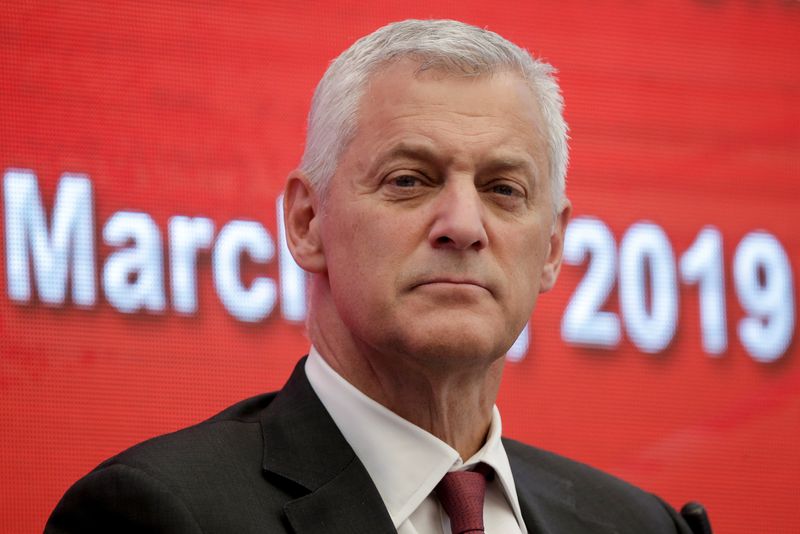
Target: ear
[(556, 251), (301, 223)]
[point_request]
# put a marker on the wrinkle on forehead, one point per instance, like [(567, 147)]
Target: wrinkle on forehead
[(392, 111), (411, 68)]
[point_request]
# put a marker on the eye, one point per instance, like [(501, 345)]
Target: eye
[(405, 184), (405, 181), (505, 190), (506, 193)]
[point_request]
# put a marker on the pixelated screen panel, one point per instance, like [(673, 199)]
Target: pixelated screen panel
[(145, 284)]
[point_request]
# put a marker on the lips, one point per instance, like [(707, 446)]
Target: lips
[(453, 281)]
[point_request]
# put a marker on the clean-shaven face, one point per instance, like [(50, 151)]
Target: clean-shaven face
[(438, 230)]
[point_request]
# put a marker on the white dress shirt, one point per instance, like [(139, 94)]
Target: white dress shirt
[(406, 463)]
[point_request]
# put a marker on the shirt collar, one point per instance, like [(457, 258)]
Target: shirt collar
[(404, 461)]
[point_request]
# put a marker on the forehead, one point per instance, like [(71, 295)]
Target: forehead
[(493, 112)]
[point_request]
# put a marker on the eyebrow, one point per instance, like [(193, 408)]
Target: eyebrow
[(405, 150), (414, 151), (501, 163), (512, 163)]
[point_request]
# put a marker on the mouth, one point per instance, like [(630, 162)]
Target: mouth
[(453, 283)]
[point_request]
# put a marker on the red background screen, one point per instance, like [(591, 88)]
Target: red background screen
[(666, 354)]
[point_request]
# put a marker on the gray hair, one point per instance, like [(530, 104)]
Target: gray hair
[(448, 45)]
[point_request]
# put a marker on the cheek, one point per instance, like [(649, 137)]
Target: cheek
[(356, 253), (529, 263)]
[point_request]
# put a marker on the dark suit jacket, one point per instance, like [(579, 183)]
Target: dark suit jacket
[(278, 463)]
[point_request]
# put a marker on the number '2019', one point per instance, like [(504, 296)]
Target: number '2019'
[(647, 273)]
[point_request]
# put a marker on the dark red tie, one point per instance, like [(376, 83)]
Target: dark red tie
[(461, 494)]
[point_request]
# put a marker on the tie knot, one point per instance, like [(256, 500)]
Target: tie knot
[(461, 494)]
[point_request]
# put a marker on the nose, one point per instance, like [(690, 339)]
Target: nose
[(459, 218)]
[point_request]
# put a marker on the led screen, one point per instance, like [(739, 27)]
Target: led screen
[(145, 283)]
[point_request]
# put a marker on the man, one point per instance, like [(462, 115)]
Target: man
[(430, 208)]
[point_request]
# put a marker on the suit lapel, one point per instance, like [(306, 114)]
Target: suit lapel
[(547, 501), (348, 504), (303, 445), (335, 494)]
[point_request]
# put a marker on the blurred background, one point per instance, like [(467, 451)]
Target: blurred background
[(145, 286)]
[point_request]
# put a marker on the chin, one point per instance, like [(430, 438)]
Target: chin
[(452, 344)]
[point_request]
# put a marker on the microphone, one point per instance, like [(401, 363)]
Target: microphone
[(696, 517)]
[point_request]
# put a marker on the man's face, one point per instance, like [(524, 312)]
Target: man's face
[(438, 230)]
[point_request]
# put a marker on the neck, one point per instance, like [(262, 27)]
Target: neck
[(440, 393)]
